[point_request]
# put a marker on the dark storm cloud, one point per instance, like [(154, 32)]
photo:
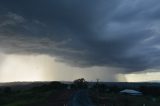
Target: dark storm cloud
[(116, 33)]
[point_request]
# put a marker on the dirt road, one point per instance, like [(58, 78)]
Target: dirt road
[(80, 98)]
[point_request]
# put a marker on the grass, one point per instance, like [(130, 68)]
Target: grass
[(24, 98), (115, 99), (37, 95)]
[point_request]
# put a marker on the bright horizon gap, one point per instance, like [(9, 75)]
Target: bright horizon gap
[(44, 68), (15, 68)]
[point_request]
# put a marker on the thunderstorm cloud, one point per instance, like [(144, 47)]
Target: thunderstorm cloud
[(84, 33)]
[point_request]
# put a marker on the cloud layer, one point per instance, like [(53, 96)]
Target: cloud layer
[(122, 34)]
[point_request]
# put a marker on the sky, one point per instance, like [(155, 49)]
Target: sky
[(110, 40)]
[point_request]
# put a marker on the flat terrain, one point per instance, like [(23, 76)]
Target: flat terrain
[(60, 94)]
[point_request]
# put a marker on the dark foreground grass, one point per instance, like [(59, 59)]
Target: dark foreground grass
[(116, 99), (35, 96), (24, 98)]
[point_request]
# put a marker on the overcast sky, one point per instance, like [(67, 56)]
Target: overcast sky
[(113, 40)]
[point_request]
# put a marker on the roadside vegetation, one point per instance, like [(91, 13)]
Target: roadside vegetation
[(103, 95), (29, 97)]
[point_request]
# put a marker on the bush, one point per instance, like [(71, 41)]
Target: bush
[(7, 90), (80, 83), (57, 85), (150, 90)]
